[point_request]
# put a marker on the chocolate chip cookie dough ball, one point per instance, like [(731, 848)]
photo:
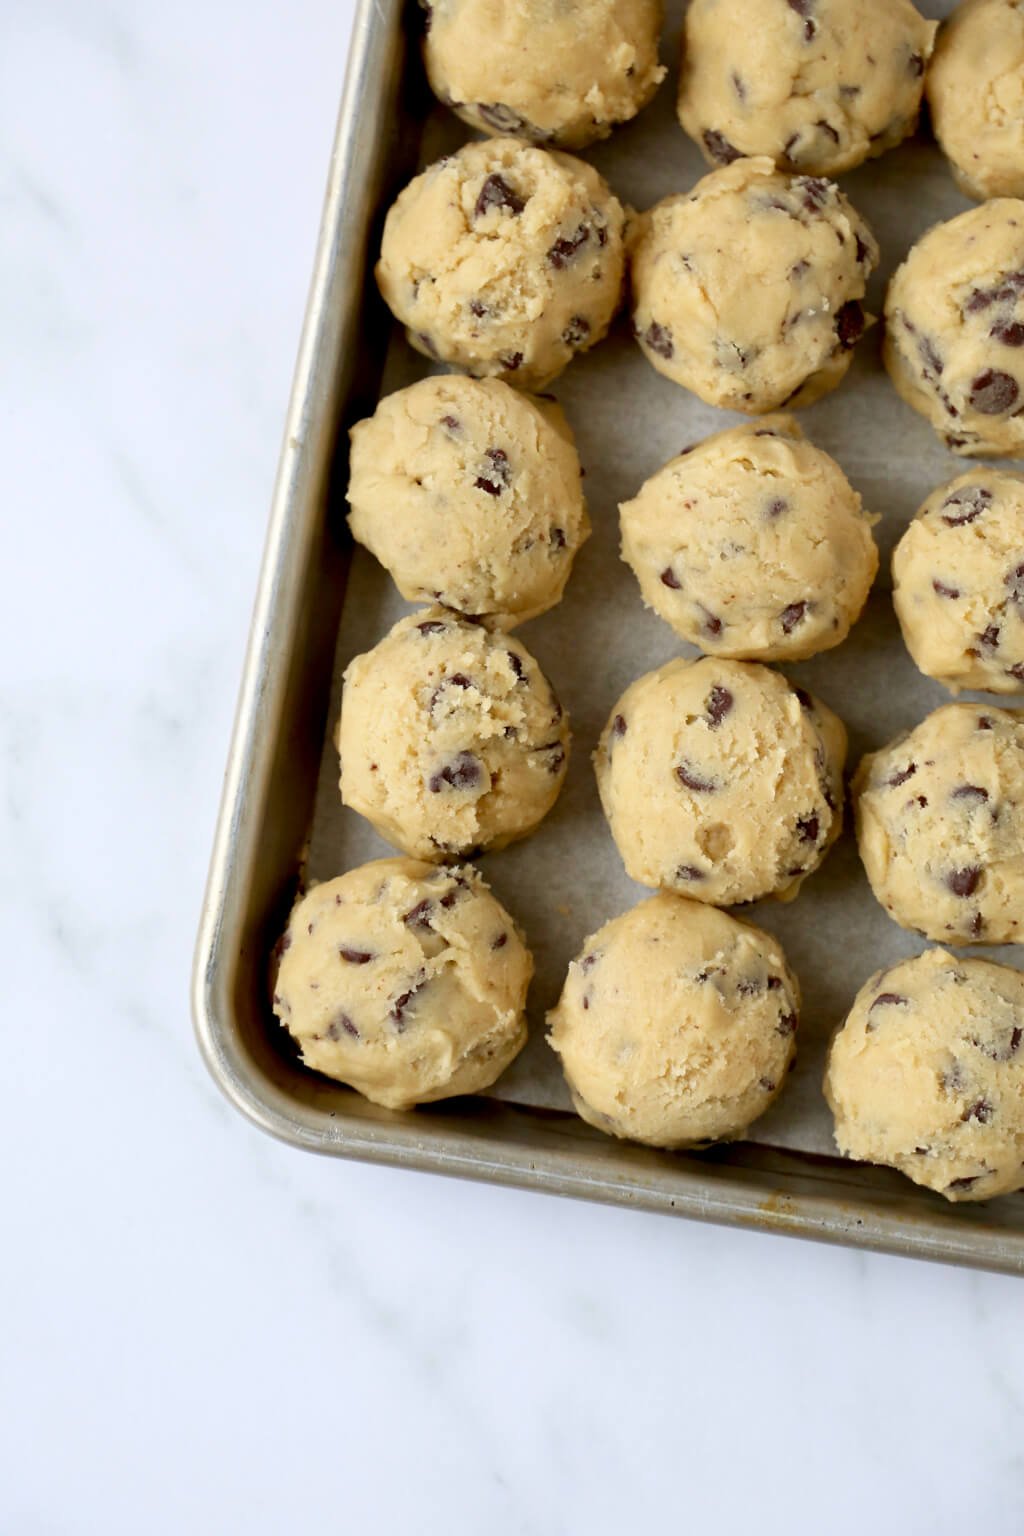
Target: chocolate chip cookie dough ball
[(504, 260), (752, 544), (958, 583), (721, 781), (470, 493), (819, 85), (940, 825), (676, 1025), (976, 95), (451, 738), (405, 981), (954, 329), (927, 1075), (747, 290), (554, 74)]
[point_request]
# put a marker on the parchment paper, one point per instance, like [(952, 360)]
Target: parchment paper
[(567, 879)]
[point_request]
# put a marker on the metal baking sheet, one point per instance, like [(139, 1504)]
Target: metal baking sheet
[(319, 603)]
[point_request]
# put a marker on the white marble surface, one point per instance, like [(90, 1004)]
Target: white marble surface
[(204, 1331)]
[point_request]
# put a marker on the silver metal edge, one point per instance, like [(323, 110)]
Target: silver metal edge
[(712, 1196)]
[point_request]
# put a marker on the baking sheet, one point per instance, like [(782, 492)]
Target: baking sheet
[(567, 879)]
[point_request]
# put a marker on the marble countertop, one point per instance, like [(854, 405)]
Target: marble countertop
[(205, 1331)]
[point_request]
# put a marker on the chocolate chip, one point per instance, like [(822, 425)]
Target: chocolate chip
[(964, 882), (1015, 586), (850, 324), (686, 775), (557, 757), (790, 617), (984, 723), (973, 792), (355, 956), (619, 726), (719, 148), (452, 423), (659, 339), (989, 637), (577, 331), (511, 361), (814, 190), (712, 623), (944, 591), (432, 627), (808, 828), (1016, 671), (401, 1004), (767, 1083), (502, 119), (901, 776), (1009, 332), (774, 983), (738, 86), (496, 476), (416, 917), (340, 1022), (980, 1110), (804, 9), (718, 704), (863, 251), (478, 308), (496, 192), (689, 872), (463, 772), (889, 1000), (970, 503), (787, 1025), (921, 800), (556, 538), (1001, 1052), (931, 362), (668, 579), (563, 250), (500, 941), (588, 962), (515, 662), (828, 130), (994, 393), (966, 1182)]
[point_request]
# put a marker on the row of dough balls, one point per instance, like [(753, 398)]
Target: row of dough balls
[(819, 86), (676, 1025), (751, 545), (719, 779), (506, 260)]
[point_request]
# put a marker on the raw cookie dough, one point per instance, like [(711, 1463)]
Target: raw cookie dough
[(404, 980), (747, 290), (451, 738), (940, 825), (976, 94), (958, 583), (676, 1025), (504, 259), (470, 493), (954, 329), (721, 781), (927, 1075), (752, 544), (552, 71), (819, 85)]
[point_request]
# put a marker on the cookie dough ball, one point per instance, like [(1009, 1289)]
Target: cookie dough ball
[(561, 73), (752, 544), (818, 85), (469, 492), (976, 96), (940, 825), (954, 329), (405, 981), (747, 290), (676, 1025), (504, 259), (927, 1075), (958, 583), (451, 739), (721, 781)]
